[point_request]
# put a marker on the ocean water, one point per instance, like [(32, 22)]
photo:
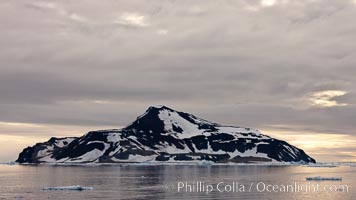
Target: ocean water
[(176, 182)]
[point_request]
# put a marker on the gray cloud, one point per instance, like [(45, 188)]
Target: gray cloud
[(65, 63)]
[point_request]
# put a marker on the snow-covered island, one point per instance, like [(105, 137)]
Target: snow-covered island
[(162, 134)]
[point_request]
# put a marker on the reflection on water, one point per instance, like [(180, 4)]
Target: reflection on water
[(162, 182)]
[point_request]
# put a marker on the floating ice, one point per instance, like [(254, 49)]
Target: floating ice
[(319, 178), (205, 163), (326, 166), (9, 163), (73, 187), (329, 165)]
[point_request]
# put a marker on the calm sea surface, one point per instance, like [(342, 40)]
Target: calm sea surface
[(177, 182)]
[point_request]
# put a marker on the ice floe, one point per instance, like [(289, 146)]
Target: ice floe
[(9, 163), (73, 187), (320, 178), (328, 165)]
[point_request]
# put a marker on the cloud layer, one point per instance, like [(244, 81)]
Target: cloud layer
[(265, 64)]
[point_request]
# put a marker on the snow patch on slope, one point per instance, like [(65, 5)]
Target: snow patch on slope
[(252, 133), (171, 119), (91, 155)]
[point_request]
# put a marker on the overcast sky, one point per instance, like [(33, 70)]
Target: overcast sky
[(286, 67)]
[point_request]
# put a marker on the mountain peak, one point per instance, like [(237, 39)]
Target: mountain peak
[(162, 119), (154, 111), (160, 107)]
